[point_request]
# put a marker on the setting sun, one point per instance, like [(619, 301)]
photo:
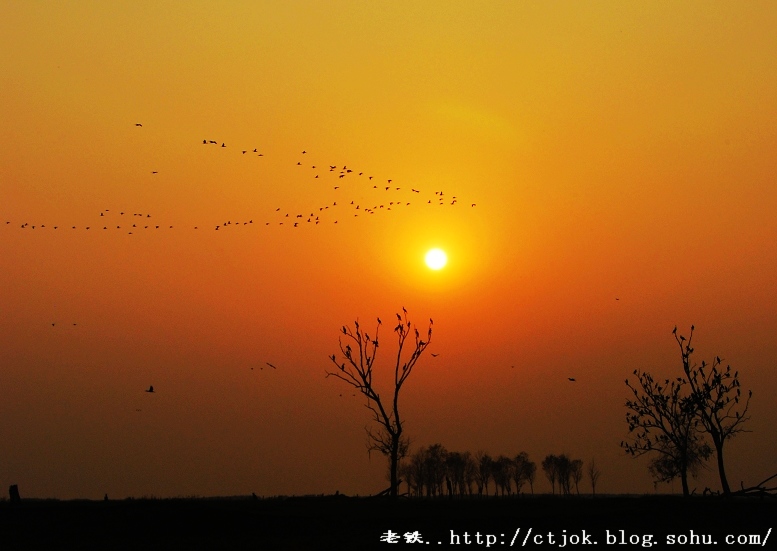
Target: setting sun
[(436, 259)]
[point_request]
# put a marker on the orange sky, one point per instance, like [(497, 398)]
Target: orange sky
[(612, 149)]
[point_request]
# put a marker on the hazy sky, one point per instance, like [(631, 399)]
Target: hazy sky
[(614, 150)]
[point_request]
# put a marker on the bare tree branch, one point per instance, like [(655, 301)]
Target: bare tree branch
[(717, 396), (357, 371)]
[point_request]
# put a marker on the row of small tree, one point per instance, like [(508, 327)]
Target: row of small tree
[(434, 471)]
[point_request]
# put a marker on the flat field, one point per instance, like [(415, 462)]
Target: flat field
[(339, 522)]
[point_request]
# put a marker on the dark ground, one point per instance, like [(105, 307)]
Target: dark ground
[(338, 522)]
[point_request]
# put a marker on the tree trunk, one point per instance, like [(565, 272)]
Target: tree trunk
[(721, 468), (684, 480), (394, 459)]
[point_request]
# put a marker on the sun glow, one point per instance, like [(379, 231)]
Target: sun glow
[(436, 259)]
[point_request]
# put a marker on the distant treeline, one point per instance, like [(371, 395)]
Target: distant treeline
[(434, 471)]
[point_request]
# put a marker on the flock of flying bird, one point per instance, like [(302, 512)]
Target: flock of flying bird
[(375, 196)]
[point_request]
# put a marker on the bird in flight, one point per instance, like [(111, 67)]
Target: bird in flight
[(138, 124), (435, 355), (571, 379), (271, 365), (150, 388)]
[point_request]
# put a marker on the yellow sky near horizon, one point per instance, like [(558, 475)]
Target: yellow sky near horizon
[(613, 150)]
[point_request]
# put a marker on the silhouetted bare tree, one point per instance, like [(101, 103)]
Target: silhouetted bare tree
[(502, 473), (550, 468), (576, 473), (456, 467), (434, 469), (357, 371), (663, 420), (718, 399), (564, 470), (523, 471), (593, 475), (531, 474), (470, 471), (414, 472), (484, 471)]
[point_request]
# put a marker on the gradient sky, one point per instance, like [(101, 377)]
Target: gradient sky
[(614, 150)]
